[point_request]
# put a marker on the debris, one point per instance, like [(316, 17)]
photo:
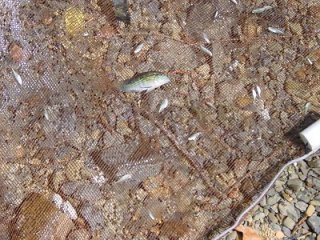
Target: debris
[(206, 50), (261, 9), (276, 30), (164, 104), (194, 136), (138, 48), (205, 37), (17, 76), (248, 233), (147, 81)]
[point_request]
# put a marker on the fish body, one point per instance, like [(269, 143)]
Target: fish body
[(147, 81)]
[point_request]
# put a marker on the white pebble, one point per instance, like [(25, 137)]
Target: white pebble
[(138, 48), (17, 76), (164, 104), (57, 200), (68, 209), (194, 136)]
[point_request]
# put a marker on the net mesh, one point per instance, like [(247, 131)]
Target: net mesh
[(244, 77)]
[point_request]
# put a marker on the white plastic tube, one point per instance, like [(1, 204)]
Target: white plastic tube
[(311, 136)]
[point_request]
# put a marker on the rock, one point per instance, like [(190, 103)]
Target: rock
[(280, 235), (316, 183), (272, 218), (38, 218), (88, 192), (68, 209), (314, 223), (93, 216), (314, 163), (263, 202), (275, 227), (287, 197), (289, 223), (315, 203), (295, 184), (286, 231), (259, 216), (302, 206), (286, 209), (57, 200), (232, 236), (79, 234), (304, 196), (273, 199), (310, 210)]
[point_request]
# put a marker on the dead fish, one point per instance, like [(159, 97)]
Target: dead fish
[(138, 48), (17, 76), (164, 104), (261, 9), (194, 136), (147, 81), (276, 30), (254, 94), (206, 50), (234, 1), (258, 91), (309, 61), (206, 38)]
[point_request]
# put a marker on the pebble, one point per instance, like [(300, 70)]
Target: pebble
[(304, 196), (272, 218), (273, 199), (310, 210), (232, 236), (286, 231), (314, 163), (68, 209), (279, 235), (289, 223), (295, 184), (57, 200), (315, 203), (286, 209), (302, 206), (259, 216), (316, 183), (275, 227), (314, 223), (287, 197)]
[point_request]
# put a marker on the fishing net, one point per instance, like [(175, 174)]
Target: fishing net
[(82, 159)]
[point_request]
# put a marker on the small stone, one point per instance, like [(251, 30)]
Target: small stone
[(204, 70), (273, 199), (272, 218), (286, 209), (302, 206), (259, 216), (295, 184), (289, 223), (314, 223), (38, 218), (287, 197), (79, 234), (232, 236), (263, 202), (315, 203), (16, 52), (93, 216), (57, 200), (279, 235), (304, 196), (275, 227), (316, 183), (68, 209), (310, 210), (286, 231)]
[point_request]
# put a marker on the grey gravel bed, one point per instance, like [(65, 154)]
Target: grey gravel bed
[(291, 209)]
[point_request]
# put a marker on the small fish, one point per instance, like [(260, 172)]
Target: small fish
[(234, 1), (17, 76), (164, 104), (206, 50), (262, 9), (194, 136), (309, 61), (205, 37), (151, 215), (216, 14), (147, 81), (254, 94), (276, 30), (138, 48), (307, 107), (258, 91)]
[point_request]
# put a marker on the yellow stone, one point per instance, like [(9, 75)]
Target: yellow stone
[(74, 20)]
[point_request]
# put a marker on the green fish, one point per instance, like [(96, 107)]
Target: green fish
[(144, 82)]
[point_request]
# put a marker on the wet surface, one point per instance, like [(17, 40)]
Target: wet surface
[(66, 126)]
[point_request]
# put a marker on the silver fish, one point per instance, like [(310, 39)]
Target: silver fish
[(261, 9), (147, 81), (17, 76), (164, 104), (138, 48), (206, 50), (194, 136), (276, 30)]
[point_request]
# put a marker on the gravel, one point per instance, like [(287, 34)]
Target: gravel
[(314, 223)]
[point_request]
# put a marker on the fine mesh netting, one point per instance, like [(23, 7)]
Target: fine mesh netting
[(81, 158)]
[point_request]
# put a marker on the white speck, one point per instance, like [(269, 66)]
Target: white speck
[(254, 94), (151, 215), (205, 37), (234, 1), (85, 34), (164, 104), (100, 179), (309, 61), (216, 14), (258, 91), (234, 65), (265, 114), (276, 30), (138, 48), (125, 178), (17, 76), (295, 164), (68, 209), (57, 200), (206, 50), (194, 136), (262, 9), (307, 107)]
